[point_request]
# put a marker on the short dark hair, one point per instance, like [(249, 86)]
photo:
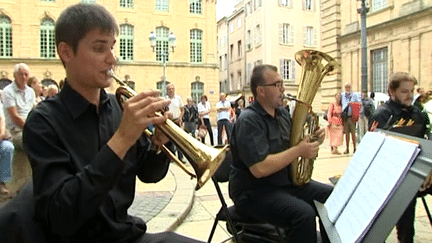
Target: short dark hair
[(257, 78), (372, 95), (397, 78), (79, 19), (204, 96)]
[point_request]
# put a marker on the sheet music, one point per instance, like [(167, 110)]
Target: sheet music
[(383, 177), (360, 162)]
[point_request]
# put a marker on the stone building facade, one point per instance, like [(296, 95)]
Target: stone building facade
[(27, 34), (398, 35), (270, 32)]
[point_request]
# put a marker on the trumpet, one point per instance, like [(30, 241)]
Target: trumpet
[(205, 160)]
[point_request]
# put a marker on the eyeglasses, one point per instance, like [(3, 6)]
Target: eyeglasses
[(278, 84)]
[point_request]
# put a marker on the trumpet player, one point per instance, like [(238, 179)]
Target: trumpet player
[(84, 151), (260, 183)]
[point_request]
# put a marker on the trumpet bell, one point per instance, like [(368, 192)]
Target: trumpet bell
[(205, 160)]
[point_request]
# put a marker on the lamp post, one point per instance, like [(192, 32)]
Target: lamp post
[(363, 10), (164, 54)]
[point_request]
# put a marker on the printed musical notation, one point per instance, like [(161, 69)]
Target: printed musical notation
[(374, 173)]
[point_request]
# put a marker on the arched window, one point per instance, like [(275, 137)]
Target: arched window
[(47, 82), (196, 46), (197, 90), (162, 44), (195, 7), (47, 40), (126, 42), (5, 37)]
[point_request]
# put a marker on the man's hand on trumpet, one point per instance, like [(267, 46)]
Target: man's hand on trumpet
[(139, 112)]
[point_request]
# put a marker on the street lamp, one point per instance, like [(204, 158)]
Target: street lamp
[(363, 10), (164, 55)]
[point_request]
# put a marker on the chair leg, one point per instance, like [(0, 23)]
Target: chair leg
[(427, 210), (224, 209), (214, 227)]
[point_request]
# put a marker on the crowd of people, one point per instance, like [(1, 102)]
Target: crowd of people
[(348, 114)]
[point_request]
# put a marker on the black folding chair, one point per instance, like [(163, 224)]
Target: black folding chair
[(237, 224)]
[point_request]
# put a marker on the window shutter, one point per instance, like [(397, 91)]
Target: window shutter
[(305, 36), (304, 4), (293, 67), (315, 37), (281, 68), (281, 35), (291, 34)]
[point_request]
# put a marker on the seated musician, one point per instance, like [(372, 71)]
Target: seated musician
[(398, 112), (260, 183), (84, 151)]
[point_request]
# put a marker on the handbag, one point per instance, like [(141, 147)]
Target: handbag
[(345, 113), (202, 132)]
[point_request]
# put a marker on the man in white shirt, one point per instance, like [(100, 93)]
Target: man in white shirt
[(176, 108), (222, 108), (18, 100), (347, 98)]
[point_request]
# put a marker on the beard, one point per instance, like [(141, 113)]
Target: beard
[(399, 101)]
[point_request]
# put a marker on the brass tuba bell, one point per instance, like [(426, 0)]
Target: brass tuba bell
[(204, 159), (315, 66)]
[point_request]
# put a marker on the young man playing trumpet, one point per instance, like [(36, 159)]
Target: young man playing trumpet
[(84, 151), (260, 183)]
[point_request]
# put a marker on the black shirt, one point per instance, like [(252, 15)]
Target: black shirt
[(390, 113), (82, 188), (190, 113), (255, 135)]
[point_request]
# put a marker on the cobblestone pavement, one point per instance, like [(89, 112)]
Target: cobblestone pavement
[(147, 205)]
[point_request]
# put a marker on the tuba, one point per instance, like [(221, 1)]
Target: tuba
[(315, 66), (204, 160)]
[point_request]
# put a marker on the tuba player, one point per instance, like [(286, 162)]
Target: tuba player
[(260, 183)]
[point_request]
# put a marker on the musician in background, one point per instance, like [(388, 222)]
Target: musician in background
[(398, 112), (85, 152), (260, 183)]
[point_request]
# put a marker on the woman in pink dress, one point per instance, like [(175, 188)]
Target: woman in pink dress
[(335, 128)]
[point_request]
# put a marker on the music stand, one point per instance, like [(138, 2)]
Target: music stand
[(394, 208)]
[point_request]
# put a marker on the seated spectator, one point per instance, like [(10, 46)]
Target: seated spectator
[(52, 90), (36, 85), (6, 154)]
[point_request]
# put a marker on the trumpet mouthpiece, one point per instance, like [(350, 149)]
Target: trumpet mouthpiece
[(110, 73)]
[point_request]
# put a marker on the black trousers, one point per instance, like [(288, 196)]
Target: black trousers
[(209, 129), (288, 207), (168, 237), (405, 225), (223, 123)]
